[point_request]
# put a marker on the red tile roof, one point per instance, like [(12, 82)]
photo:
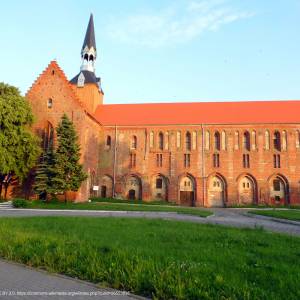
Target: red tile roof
[(199, 113)]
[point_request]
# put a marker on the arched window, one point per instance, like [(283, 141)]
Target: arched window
[(267, 140), (253, 140), (48, 136), (297, 139), (151, 139), (108, 141), (207, 140), (134, 142), (277, 141), (167, 140), (284, 140), (86, 57), (246, 141), (217, 141), (49, 103), (91, 58), (223, 140), (161, 141), (237, 140), (178, 139), (194, 140), (188, 141)]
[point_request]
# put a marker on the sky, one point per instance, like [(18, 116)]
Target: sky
[(160, 50)]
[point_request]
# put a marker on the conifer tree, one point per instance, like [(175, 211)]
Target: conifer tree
[(41, 179), (44, 174), (68, 172)]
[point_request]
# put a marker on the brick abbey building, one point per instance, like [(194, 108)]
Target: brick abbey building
[(202, 154)]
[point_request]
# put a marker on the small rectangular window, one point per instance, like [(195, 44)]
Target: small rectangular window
[(49, 103), (246, 161), (108, 141), (216, 160), (159, 159), (159, 183), (276, 160), (187, 160), (276, 185)]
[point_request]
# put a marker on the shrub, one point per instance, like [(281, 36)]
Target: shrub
[(17, 203)]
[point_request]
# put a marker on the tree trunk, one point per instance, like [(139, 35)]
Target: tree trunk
[(6, 185), (1, 185)]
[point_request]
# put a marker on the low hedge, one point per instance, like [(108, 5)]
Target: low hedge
[(18, 203)]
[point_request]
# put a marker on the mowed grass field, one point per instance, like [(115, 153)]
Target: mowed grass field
[(110, 206), (291, 214), (158, 258)]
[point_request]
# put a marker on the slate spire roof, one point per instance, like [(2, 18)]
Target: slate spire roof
[(89, 39)]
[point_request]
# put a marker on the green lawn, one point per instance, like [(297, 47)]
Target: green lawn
[(157, 258), (120, 207), (281, 214)]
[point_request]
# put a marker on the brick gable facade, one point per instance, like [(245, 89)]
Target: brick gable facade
[(53, 84)]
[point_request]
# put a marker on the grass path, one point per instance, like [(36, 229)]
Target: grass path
[(157, 258), (292, 214), (121, 207)]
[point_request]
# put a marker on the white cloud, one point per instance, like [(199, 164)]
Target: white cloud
[(174, 25), (204, 5)]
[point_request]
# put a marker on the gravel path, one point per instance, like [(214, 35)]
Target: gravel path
[(19, 282), (228, 217)]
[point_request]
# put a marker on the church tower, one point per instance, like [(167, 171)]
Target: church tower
[(86, 84), (89, 50)]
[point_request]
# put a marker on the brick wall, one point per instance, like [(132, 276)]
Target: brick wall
[(181, 175), (231, 175)]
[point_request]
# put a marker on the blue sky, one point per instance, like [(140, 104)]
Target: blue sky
[(160, 50)]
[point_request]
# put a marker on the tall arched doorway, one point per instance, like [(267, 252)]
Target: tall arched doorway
[(216, 191), (247, 190), (106, 187), (133, 189), (159, 188), (279, 190), (187, 191)]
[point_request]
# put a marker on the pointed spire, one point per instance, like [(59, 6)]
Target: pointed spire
[(89, 39)]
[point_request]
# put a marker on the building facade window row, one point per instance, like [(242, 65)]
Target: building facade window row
[(218, 141)]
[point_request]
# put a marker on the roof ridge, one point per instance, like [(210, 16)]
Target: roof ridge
[(206, 102)]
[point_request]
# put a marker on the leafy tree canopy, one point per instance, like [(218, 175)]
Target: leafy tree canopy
[(19, 148)]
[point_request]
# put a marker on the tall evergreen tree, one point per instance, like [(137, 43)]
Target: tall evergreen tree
[(19, 148), (68, 172), (40, 186), (45, 172)]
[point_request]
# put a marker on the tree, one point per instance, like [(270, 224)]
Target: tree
[(44, 174), (40, 186), (19, 148), (68, 172)]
